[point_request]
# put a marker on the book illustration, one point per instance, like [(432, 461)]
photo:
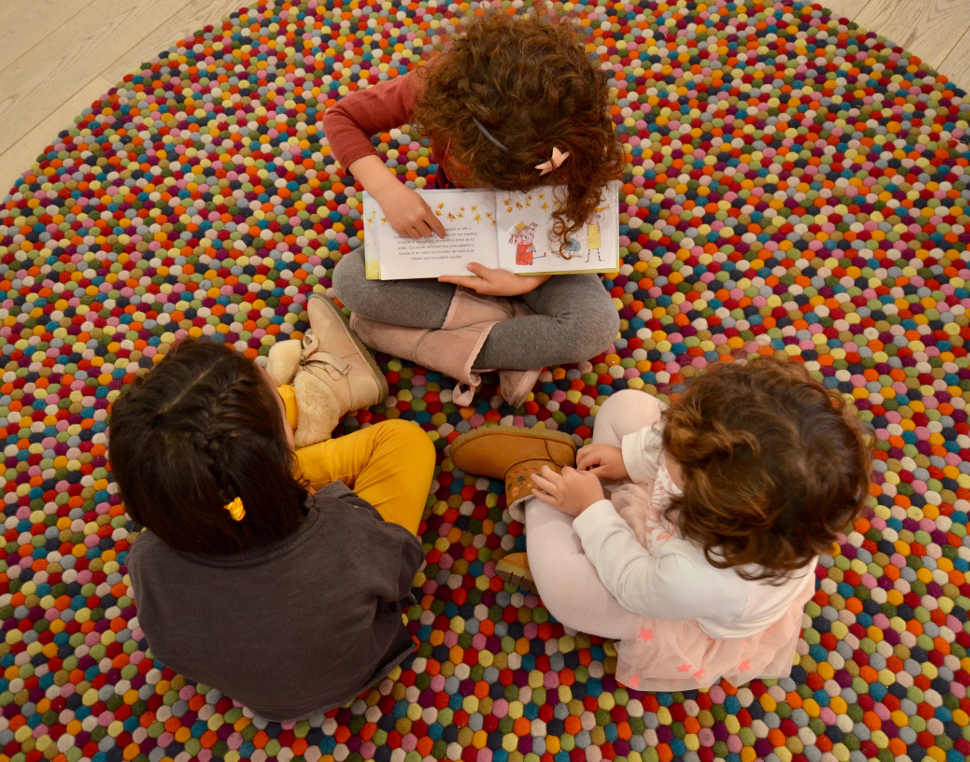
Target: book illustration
[(528, 242), (523, 236), (593, 240), (508, 230), (572, 248)]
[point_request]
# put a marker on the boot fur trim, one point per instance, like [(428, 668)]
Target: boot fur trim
[(319, 410), (284, 361)]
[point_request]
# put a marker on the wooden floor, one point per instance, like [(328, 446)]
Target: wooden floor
[(58, 56)]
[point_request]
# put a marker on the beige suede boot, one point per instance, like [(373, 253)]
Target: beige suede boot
[(514, 568), (453, 349), (452, 352), (331, 371)]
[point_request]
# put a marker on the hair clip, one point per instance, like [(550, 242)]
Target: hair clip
[(492, 139), (236, 509), (558, 157)]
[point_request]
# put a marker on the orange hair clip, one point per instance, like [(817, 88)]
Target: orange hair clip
[(236, 509)]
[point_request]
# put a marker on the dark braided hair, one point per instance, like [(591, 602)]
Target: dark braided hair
[(200, 429)]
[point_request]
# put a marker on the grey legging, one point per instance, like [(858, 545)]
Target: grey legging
[(575, 318)]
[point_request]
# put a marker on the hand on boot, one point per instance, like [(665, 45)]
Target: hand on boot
[(603, 460), (493, 282), (571, 492)]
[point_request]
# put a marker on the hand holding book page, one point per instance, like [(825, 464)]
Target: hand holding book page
[(497, 229), (468, 217)]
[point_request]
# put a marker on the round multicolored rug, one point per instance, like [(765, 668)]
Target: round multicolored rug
[(794, 184)]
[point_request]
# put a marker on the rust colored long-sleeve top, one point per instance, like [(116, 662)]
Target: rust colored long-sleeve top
[(350, 123)]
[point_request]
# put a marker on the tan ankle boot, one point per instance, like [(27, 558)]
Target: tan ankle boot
[(514, 568), (331, 371), (512, 454), (453, 349)]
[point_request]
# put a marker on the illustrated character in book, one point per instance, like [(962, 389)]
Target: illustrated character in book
[(571, 249), (593, 241), (523, 237)]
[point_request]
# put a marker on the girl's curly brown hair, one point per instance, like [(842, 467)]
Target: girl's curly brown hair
[(530, 83), (775, 466)]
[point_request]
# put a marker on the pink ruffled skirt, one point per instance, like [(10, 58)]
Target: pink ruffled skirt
[(679, 655)]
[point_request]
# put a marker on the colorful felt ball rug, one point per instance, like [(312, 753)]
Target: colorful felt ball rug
[(793, 184)]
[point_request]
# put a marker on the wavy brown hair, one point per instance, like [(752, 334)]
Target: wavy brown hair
[(775, 466), (530, 83)]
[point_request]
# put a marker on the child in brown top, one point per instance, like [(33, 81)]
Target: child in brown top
[(515, 102), (259, 572)]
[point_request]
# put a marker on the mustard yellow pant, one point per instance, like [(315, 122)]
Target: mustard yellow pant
[(389, 464)]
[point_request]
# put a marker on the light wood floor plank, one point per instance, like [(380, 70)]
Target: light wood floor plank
[(99, 41), (844, 8), (930, 29), (34, 86), (24, 23), (956, 66), (23, 154), (189, 19)]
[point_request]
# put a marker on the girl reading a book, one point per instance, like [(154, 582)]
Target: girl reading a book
[(513, 103)]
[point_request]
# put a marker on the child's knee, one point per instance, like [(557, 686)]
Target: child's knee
[(407, 437), (629, 400), (551, 583), (600, 327), (349, 279), (626, 411)]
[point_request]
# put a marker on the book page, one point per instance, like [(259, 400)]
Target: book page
[(469, 220), (526, 243)]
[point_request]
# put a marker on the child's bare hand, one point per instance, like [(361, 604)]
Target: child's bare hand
[(408, 213), (571, 492), (603, 460), (495, 282)]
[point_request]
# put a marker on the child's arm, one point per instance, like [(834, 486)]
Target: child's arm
[(349, 125), (667, 587), (603, 461), (638, 458), (496, 282), (408, 213)]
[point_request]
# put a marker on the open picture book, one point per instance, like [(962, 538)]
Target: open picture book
[(498, 229)]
